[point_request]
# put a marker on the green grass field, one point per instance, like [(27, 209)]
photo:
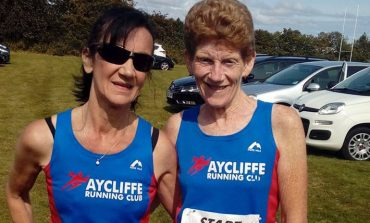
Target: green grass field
[(34, 86)]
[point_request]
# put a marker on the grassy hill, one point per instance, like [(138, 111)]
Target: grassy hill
[(34, 86)]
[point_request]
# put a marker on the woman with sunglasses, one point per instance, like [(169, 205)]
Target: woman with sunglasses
[(238, 157), (102, 162)]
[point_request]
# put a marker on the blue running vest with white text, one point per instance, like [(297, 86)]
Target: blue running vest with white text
[(120, 189), (229, 178)]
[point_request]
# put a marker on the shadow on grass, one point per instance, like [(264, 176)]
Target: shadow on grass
[(324, 153), (4, 64)]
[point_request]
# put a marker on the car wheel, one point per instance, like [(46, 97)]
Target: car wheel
[(165, 66), (357, 144)]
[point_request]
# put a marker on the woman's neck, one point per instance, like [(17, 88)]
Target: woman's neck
[(106, 119), (227, 120)]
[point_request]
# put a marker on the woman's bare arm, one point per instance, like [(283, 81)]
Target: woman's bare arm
[(292, 165), (33, 151)]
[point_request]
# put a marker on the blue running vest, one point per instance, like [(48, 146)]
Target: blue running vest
[(228, 179), (120, 189)]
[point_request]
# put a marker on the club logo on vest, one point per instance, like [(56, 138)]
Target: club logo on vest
[(114, 190), (76, 181), (199, 164), (236, 171), (136, 165), (255, 147), (106, 188)]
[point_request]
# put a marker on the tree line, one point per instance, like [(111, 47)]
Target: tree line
[(61, 27), (327, 45)]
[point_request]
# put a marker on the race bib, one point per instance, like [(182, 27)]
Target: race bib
[(198, 216)]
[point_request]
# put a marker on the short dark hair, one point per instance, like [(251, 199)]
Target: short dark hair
[(114, 25)]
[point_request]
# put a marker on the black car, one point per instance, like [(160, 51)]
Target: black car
[(184, 92), (163, 63), (4, 54)]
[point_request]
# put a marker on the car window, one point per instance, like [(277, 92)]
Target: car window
[(354, 69), (358, 83), (327, 76), (285, 64), (293, 74), (265, 70)]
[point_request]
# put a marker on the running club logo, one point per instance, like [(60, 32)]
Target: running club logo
[(105, 188), (199, 164), (229, 170), (76, 181)]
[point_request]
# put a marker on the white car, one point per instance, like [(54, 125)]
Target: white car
[(4, 54), (339, 118), (287, 85), (158, 50)]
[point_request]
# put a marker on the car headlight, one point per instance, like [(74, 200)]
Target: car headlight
[(190, 88), (331, 108)]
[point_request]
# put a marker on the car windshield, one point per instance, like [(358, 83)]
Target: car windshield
[(356, 84), (292, 75)]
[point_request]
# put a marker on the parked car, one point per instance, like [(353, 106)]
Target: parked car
[(163, 63), (158, 50), (266, 66), (4, 54), (287, 85), (184, 92), (338, 119)]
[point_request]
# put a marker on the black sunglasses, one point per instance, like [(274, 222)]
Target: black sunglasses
[(118, 55)]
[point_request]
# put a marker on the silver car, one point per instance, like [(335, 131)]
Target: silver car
[(287, 85)]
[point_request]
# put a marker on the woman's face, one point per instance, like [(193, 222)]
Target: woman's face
[(120, 84), (218, 69)]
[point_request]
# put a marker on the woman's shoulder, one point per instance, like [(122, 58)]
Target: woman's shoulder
[(172, 126), (284, 116), (36, 140), (287, 128), (37, 131)]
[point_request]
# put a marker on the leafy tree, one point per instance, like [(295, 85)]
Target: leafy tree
[(265, 42), (290, 42), (76, 18), (308, 47), (27, 22), (62, 27), (328, 45), (361, 49)]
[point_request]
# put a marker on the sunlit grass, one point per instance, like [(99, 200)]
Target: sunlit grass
[(34, 86)]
